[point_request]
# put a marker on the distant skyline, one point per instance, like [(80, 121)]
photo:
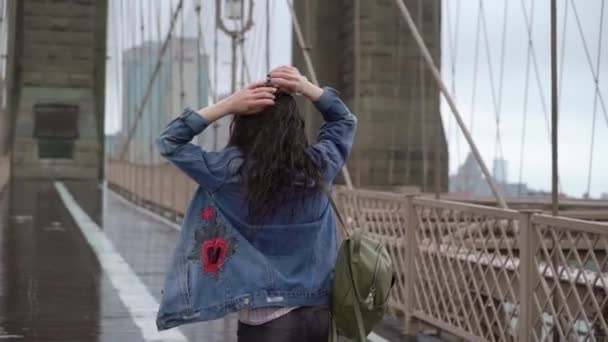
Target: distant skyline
[(576, 106), (577, 93)]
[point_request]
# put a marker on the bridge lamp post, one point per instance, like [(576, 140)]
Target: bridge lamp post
[(234, 11)]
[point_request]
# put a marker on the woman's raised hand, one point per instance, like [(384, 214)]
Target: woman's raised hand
[(252, 99), (289, 79)]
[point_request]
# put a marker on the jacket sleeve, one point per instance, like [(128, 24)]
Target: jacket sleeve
[(174, 144), (336, 136)]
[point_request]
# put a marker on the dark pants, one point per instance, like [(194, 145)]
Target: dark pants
[(306, 324)]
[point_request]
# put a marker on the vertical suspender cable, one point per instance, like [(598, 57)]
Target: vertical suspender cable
[(539, 84), (525, 109), (182, 90), (199, 80), (161, 104), (267, 35), (181, 188), (152, 118), (396, 97), (563, 50), (496, 93), (215, 81), (199, 63), (148, 134), (422, 109), (242, 48), (453, 53), (130, 90), (589, 61), (554, 110), (357, 69), (595, 98), (311, 71), (437, 126), (475, 69), (139, 145), (3, 48), (173, 108), (429, 60), (152, 77)]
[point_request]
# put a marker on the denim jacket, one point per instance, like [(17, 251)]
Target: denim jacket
[(221, 263)]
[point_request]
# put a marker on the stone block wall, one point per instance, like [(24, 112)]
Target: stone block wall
[(58, 58), (400, 125)]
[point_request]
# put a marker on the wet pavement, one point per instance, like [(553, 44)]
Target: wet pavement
[(53, 286)]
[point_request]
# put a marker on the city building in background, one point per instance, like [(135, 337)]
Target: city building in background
[(469, 180), (176, 86), (397, 101)]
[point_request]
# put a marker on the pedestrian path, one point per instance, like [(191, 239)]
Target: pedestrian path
[(80, 263)]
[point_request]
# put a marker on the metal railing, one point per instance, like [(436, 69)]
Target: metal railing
[(160, 187), (488, 274), (480, 273)]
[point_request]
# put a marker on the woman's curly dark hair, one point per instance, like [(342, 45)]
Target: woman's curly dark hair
[(276, 165)]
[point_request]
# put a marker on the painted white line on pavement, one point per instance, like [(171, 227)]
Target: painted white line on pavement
[(373, 337), (132, 292), (142, 210)]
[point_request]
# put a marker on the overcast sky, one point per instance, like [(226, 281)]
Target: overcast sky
[(461, 21)]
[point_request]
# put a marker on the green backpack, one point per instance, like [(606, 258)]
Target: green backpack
[(363, 280)]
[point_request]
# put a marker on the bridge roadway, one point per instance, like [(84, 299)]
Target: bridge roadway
[(79, 263)]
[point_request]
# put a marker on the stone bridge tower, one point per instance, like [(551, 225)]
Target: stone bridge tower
[(398, 109), (56, 72)]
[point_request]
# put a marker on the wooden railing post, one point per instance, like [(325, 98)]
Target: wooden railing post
[(528, 243), (410, 265)]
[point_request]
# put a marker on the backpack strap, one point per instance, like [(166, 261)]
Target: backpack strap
[(327, 192), (333, 330)]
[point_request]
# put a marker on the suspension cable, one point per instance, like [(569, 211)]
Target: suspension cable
[(563, 50), (453, 53), (474, 85), (216, 124), (267, 40), (199, 63), (536, 68), (475, 67), (182, 89), (524, 118), (159, 180), (152, 78), (589, 62), (422, 94), (525, 109), (496, 98), (429, 60), (595, 98)]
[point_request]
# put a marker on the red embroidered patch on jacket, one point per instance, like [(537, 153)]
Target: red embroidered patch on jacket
[(213, 254), (207, 214), (213, 244)]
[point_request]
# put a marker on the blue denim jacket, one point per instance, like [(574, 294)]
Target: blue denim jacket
[(221, 263)]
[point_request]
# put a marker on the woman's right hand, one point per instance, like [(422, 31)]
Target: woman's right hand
[(251, 100), (289, 79)]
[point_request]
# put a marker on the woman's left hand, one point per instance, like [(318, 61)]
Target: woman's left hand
[(252, 99)]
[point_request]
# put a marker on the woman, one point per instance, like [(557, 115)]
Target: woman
[(259, 237)]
